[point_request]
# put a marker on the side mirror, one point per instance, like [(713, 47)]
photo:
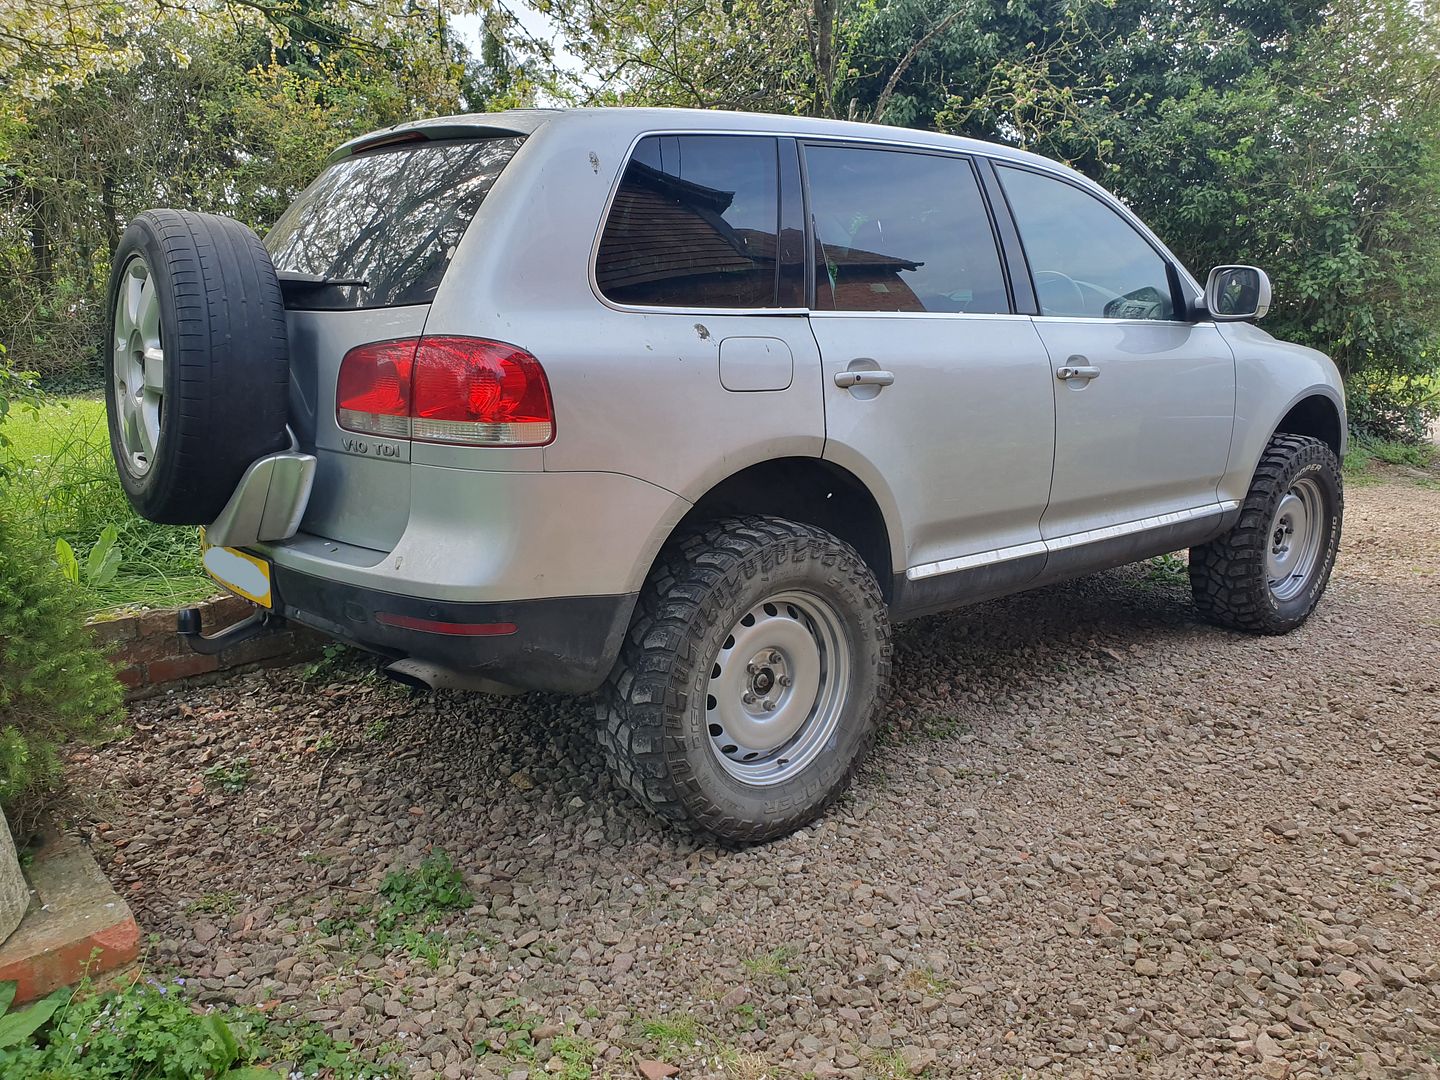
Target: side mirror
[(1237, 293)]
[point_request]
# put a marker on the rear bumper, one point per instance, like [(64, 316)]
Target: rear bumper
[(563, 644)]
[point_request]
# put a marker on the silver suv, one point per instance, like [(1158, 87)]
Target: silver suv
[(687, 408)]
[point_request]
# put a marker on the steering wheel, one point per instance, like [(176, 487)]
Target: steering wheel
[(1058, 293)]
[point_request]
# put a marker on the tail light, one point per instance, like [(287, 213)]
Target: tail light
[(460, 390)]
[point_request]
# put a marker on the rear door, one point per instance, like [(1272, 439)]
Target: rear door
[(933, 389), (1144, 400), (361, 253)]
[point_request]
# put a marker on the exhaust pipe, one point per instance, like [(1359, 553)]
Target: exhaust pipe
[(423, 675)]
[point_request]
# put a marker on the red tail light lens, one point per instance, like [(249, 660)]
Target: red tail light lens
[(448, 390), (481, 393), (373, 391)]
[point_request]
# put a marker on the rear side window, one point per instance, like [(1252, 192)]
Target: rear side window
[(1087, 261), (390, 218), (901, 231), (695, 224)]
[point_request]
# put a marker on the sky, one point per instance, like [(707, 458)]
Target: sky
[(471, 29)]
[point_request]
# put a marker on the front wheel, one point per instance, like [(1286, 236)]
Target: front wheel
[(747, 691), (1269, 571)]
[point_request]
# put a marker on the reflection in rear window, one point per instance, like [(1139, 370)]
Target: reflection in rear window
[(391, 219)]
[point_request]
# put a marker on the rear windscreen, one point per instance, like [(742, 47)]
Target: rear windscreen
[(390, 219)]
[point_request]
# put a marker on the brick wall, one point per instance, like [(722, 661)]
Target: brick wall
[(150, 654)]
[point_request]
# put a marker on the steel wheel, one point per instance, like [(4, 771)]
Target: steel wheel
[(778, 688), (1295, 539), (139, 366)]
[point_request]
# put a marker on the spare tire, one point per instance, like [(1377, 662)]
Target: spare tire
[(197, 363)]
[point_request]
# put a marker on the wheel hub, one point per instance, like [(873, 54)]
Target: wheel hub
[(777, 688), (139, 366), (1295, 540)]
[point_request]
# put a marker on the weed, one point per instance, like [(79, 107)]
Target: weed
[(434, 887), (1163, 570), (330, 658), (378, 730), (893, 1066), (673, 1036), (412, 902), (571, 1058), (216, 903), (927, 982), (776, 962), (230, 778), (751, 1018)]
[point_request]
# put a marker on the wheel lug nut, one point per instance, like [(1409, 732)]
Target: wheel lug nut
[(769, 705), (785, 680), (748, 698), (774, 657)]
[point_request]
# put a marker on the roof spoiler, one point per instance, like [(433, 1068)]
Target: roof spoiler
[(423, 132)]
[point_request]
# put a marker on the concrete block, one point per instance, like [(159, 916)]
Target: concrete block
[(78, 926), (14, 893)]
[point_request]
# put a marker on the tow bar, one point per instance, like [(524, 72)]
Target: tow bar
[(187, 625)]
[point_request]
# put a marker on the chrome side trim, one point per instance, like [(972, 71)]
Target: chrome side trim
[(980, 558), (1061, 543), (268, 503)]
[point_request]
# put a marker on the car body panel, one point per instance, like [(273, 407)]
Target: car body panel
[(650, 414)]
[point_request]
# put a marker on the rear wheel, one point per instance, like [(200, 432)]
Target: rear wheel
[(1269, 571), (748, 688)]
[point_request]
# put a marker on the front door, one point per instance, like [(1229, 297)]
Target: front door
[(934, 391), (1144, 400)]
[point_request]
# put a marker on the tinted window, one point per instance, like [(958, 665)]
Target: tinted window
[(901, 232), (1085, 258), (694, 224), (390, 218)]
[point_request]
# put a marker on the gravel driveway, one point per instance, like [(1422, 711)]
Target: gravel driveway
[(1101, 840)]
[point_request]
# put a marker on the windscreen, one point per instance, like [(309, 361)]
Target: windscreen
[(390, 219)]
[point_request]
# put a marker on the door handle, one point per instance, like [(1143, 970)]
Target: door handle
[(847, 379), (1083, 371)]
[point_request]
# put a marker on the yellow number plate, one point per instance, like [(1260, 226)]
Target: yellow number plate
[(242, 574)]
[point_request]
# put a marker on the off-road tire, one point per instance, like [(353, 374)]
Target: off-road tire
[(651, 711), (1228, 575), (226, 362)]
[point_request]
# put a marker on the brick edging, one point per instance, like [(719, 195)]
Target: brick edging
[(149, 654)]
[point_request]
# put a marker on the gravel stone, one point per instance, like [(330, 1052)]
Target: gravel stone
[(1099, 838)]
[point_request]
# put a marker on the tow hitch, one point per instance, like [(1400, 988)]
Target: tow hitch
[(187, 625)]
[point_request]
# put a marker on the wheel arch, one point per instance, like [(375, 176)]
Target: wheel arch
[(808, 490), (1316, 414)]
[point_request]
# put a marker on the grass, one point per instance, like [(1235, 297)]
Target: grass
[(64, 486), (1363, 454), (774, 963)]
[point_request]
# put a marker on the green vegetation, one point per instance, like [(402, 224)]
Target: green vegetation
[(673, 1036), (230, 778), (148, 1030), (63, 491), (776, 962), (54, 684), (410, 903)]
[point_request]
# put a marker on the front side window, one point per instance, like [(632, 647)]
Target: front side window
[(695, 224), (899, 231), (1086, 260)]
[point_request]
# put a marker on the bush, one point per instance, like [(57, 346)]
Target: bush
[(54, 684)]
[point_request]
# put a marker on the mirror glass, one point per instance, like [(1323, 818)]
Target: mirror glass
[(1235, 291)]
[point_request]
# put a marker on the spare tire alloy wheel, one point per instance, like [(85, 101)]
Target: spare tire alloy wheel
[(139, 367), (749, 685), (197, 362)]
